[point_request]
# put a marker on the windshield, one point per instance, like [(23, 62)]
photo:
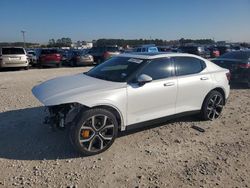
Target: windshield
[(50, 51), (116, 69), (32, 53)]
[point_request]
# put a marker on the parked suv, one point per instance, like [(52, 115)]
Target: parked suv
[(101, 54), (196, 50), (50, 57), (146, 48), (13, 57)]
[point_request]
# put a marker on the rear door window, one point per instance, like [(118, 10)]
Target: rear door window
[(188, 65), (13, 51)]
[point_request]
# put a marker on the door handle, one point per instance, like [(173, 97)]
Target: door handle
[(168, 84), (204, 78)]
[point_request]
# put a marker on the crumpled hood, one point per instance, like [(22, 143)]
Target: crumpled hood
[(62, 88)]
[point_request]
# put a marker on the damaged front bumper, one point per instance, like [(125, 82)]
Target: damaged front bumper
[(61, 116)]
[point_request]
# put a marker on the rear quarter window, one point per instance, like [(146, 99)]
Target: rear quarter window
[(188, 65)]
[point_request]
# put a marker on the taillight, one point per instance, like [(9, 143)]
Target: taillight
[(228, 74), (245, 65)]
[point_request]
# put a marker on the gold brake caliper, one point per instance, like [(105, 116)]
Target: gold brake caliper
[(85, 133)]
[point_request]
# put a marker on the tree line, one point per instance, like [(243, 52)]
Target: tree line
[(62, 42), (158, 42), (67, 42)]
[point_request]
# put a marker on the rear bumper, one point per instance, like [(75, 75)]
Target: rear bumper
[(9, 65), (85, 62)]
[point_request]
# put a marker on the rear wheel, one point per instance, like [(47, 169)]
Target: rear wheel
[(94, 132), (212, 106)]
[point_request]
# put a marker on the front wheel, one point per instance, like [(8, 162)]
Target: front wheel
[(212, 106), (94, 132)]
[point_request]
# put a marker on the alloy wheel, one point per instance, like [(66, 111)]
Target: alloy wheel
[(96, 133), (214, 107)]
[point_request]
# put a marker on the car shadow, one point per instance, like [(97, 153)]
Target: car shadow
[(23, 136), (11, 69)]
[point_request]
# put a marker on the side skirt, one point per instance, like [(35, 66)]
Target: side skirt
[(160, 120)]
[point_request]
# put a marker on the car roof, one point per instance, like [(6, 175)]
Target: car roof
[(154, 55)]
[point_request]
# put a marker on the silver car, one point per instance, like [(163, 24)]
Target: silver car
[(13, 57)]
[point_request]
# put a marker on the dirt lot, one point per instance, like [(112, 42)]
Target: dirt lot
[(167, 155)]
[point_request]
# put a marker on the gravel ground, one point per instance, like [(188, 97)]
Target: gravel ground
[(172, 154)]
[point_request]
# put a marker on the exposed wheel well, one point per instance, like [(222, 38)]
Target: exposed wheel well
[(114, 111), (220, 90)]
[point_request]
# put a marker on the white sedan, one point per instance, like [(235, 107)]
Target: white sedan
[(132, 90)]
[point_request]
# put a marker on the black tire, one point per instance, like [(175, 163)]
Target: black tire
[(212, 106), (27, 68), (83, 120)]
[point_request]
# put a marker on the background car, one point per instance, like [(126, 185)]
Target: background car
[(32, 57), (101, 54), (50, 57), (224, 49), (214, 52), (13, 57), (130, 90), (81, 57), (146, 48), (238, 62), (196, 50)]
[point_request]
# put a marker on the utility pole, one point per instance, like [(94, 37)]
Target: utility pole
[(23, 33)]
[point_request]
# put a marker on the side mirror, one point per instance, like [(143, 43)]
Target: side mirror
[(143, 79)]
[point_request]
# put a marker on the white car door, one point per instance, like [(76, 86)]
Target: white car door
[(194, 82), (154, 99)]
